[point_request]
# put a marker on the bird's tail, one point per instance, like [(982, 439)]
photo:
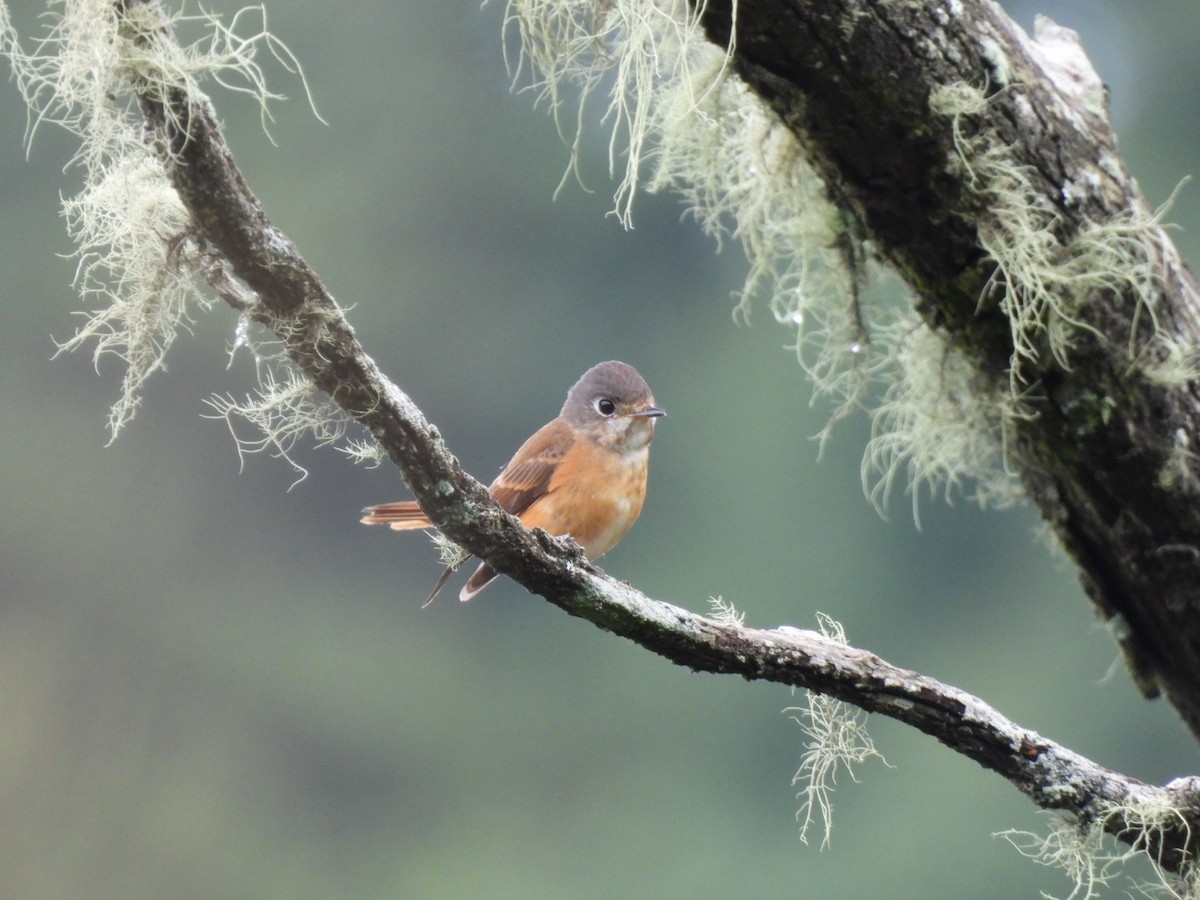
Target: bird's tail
[(401, 516), (406, 515)]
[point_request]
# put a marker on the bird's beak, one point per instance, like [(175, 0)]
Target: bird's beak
[(650, 412)]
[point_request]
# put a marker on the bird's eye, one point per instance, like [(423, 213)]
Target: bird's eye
[(604, 406)]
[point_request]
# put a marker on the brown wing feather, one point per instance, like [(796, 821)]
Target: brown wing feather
[(528, 474)]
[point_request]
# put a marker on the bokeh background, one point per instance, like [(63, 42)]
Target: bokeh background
[(214, 687)]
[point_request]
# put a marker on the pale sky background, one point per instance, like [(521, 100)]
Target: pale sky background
[(212, 687)]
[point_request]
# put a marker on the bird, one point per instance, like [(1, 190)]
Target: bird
[(582, 474)]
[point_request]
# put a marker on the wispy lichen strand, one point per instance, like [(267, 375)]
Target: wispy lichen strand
[(1044, 275), (936, 427), (285, 408), (138, 265), (837, 740), (1092, 860)]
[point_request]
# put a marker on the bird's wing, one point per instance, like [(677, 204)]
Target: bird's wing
[(529, 473)]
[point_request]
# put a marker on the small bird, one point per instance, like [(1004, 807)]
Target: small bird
[(582, 474)]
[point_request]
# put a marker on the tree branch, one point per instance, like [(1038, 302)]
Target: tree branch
[(292, 302), (1075, 325)]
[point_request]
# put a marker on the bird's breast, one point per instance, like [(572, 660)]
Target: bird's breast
[(595, 496)]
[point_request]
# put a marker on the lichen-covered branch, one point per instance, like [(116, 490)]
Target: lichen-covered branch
[(981, 165)]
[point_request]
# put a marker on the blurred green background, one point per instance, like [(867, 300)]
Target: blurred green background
[(212, 687)]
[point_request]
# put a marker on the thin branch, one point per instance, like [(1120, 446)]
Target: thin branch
[(289, 298)]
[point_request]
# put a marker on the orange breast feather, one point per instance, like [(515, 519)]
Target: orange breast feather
[(595, 496)]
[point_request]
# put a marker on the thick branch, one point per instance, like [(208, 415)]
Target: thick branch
[(292, 301), (1106, 449)]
